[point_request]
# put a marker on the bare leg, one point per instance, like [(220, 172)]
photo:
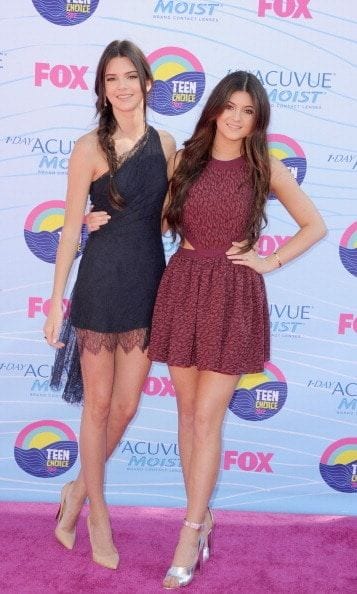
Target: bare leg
[(185, 381), (131, 370), (213, 393), (98, 379)]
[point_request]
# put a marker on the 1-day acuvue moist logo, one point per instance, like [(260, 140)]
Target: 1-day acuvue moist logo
[(290, 153), (179, 81), (348, 249), (43, 228), (259, 396), (338, 466), (65, 12), (46, 448)]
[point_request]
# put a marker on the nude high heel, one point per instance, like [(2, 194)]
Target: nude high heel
[(207, 548), (110, 561), (67, 539), (185, 575)]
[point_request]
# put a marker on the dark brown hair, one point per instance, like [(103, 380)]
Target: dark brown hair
[(107, 122), (197, 151)]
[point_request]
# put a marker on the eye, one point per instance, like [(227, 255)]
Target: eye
[(133, 76), (109, 78), (229, 106), (249, 111)]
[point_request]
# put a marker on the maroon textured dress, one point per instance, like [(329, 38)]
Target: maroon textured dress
[(209, 312)]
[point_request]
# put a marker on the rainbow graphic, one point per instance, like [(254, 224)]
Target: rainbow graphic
[(43, 227), (338, 465), (290, 153), (65, 13), (259, 396), (179, 81), (46, 448), (348, 249)]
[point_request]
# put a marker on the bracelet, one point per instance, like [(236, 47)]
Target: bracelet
[(278, 259)]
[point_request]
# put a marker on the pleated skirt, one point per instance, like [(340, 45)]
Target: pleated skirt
[(211, 314)]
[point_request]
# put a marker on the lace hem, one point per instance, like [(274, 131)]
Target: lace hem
[(95, 341), (66, 373)]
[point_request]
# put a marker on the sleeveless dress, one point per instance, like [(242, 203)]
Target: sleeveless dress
[(210, 313), (121, 266)]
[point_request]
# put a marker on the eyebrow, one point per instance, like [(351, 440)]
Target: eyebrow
[(248, 105), (114, 73)]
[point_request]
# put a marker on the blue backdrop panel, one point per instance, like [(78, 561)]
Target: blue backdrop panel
[(290, 435)]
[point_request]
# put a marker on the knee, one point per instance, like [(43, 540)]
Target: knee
[(186, 421), (186, 417), (97, 410), (204, 427), (124, 413)]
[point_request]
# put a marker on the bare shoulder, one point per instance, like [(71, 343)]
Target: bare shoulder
[(86, 151), (88, 143), (173, 162), (168, 143), (279, 170), (166, 137)]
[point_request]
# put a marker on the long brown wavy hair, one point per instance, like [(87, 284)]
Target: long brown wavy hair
[(198, 149), (107, 122)]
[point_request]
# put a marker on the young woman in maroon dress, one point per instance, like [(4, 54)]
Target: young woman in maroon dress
[(210, 321)]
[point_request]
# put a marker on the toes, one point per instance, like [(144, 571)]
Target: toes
[(170, 582)]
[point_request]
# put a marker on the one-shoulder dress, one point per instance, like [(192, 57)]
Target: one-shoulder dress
[(121, 267), (209, 312)]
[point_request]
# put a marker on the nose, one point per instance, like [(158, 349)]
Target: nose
[(121, 82), (236, 114)]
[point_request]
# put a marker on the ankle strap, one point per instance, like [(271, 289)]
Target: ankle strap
[(193, 525)]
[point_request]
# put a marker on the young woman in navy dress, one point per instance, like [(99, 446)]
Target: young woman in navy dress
[(103, 345)]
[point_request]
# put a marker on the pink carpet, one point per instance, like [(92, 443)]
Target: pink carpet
[(255, 553)]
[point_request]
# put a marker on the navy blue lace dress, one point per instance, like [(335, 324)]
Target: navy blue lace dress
[(121, 267)]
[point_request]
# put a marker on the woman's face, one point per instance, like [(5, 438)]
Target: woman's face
[(237, 120), (122, 85)]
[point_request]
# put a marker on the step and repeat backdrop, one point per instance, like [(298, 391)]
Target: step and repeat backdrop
[(290, 434)]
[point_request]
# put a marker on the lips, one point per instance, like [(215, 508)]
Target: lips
[(234, 128)]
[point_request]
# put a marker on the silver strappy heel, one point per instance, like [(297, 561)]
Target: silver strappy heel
[(185, 575), (207, 548)]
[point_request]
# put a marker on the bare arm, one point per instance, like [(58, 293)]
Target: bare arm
[(168, 144), (80, 174), (172, 163), (302, 210), (311, 225)]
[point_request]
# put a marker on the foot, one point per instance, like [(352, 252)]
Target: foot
[(72, 507), (100, 535), (186, 554)]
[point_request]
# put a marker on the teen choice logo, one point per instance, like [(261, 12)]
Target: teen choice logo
[(348, 249), (338, 466), (179, 81), (43, 228), (46, 449), (259, 396), (290, 153), (65, 12)]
